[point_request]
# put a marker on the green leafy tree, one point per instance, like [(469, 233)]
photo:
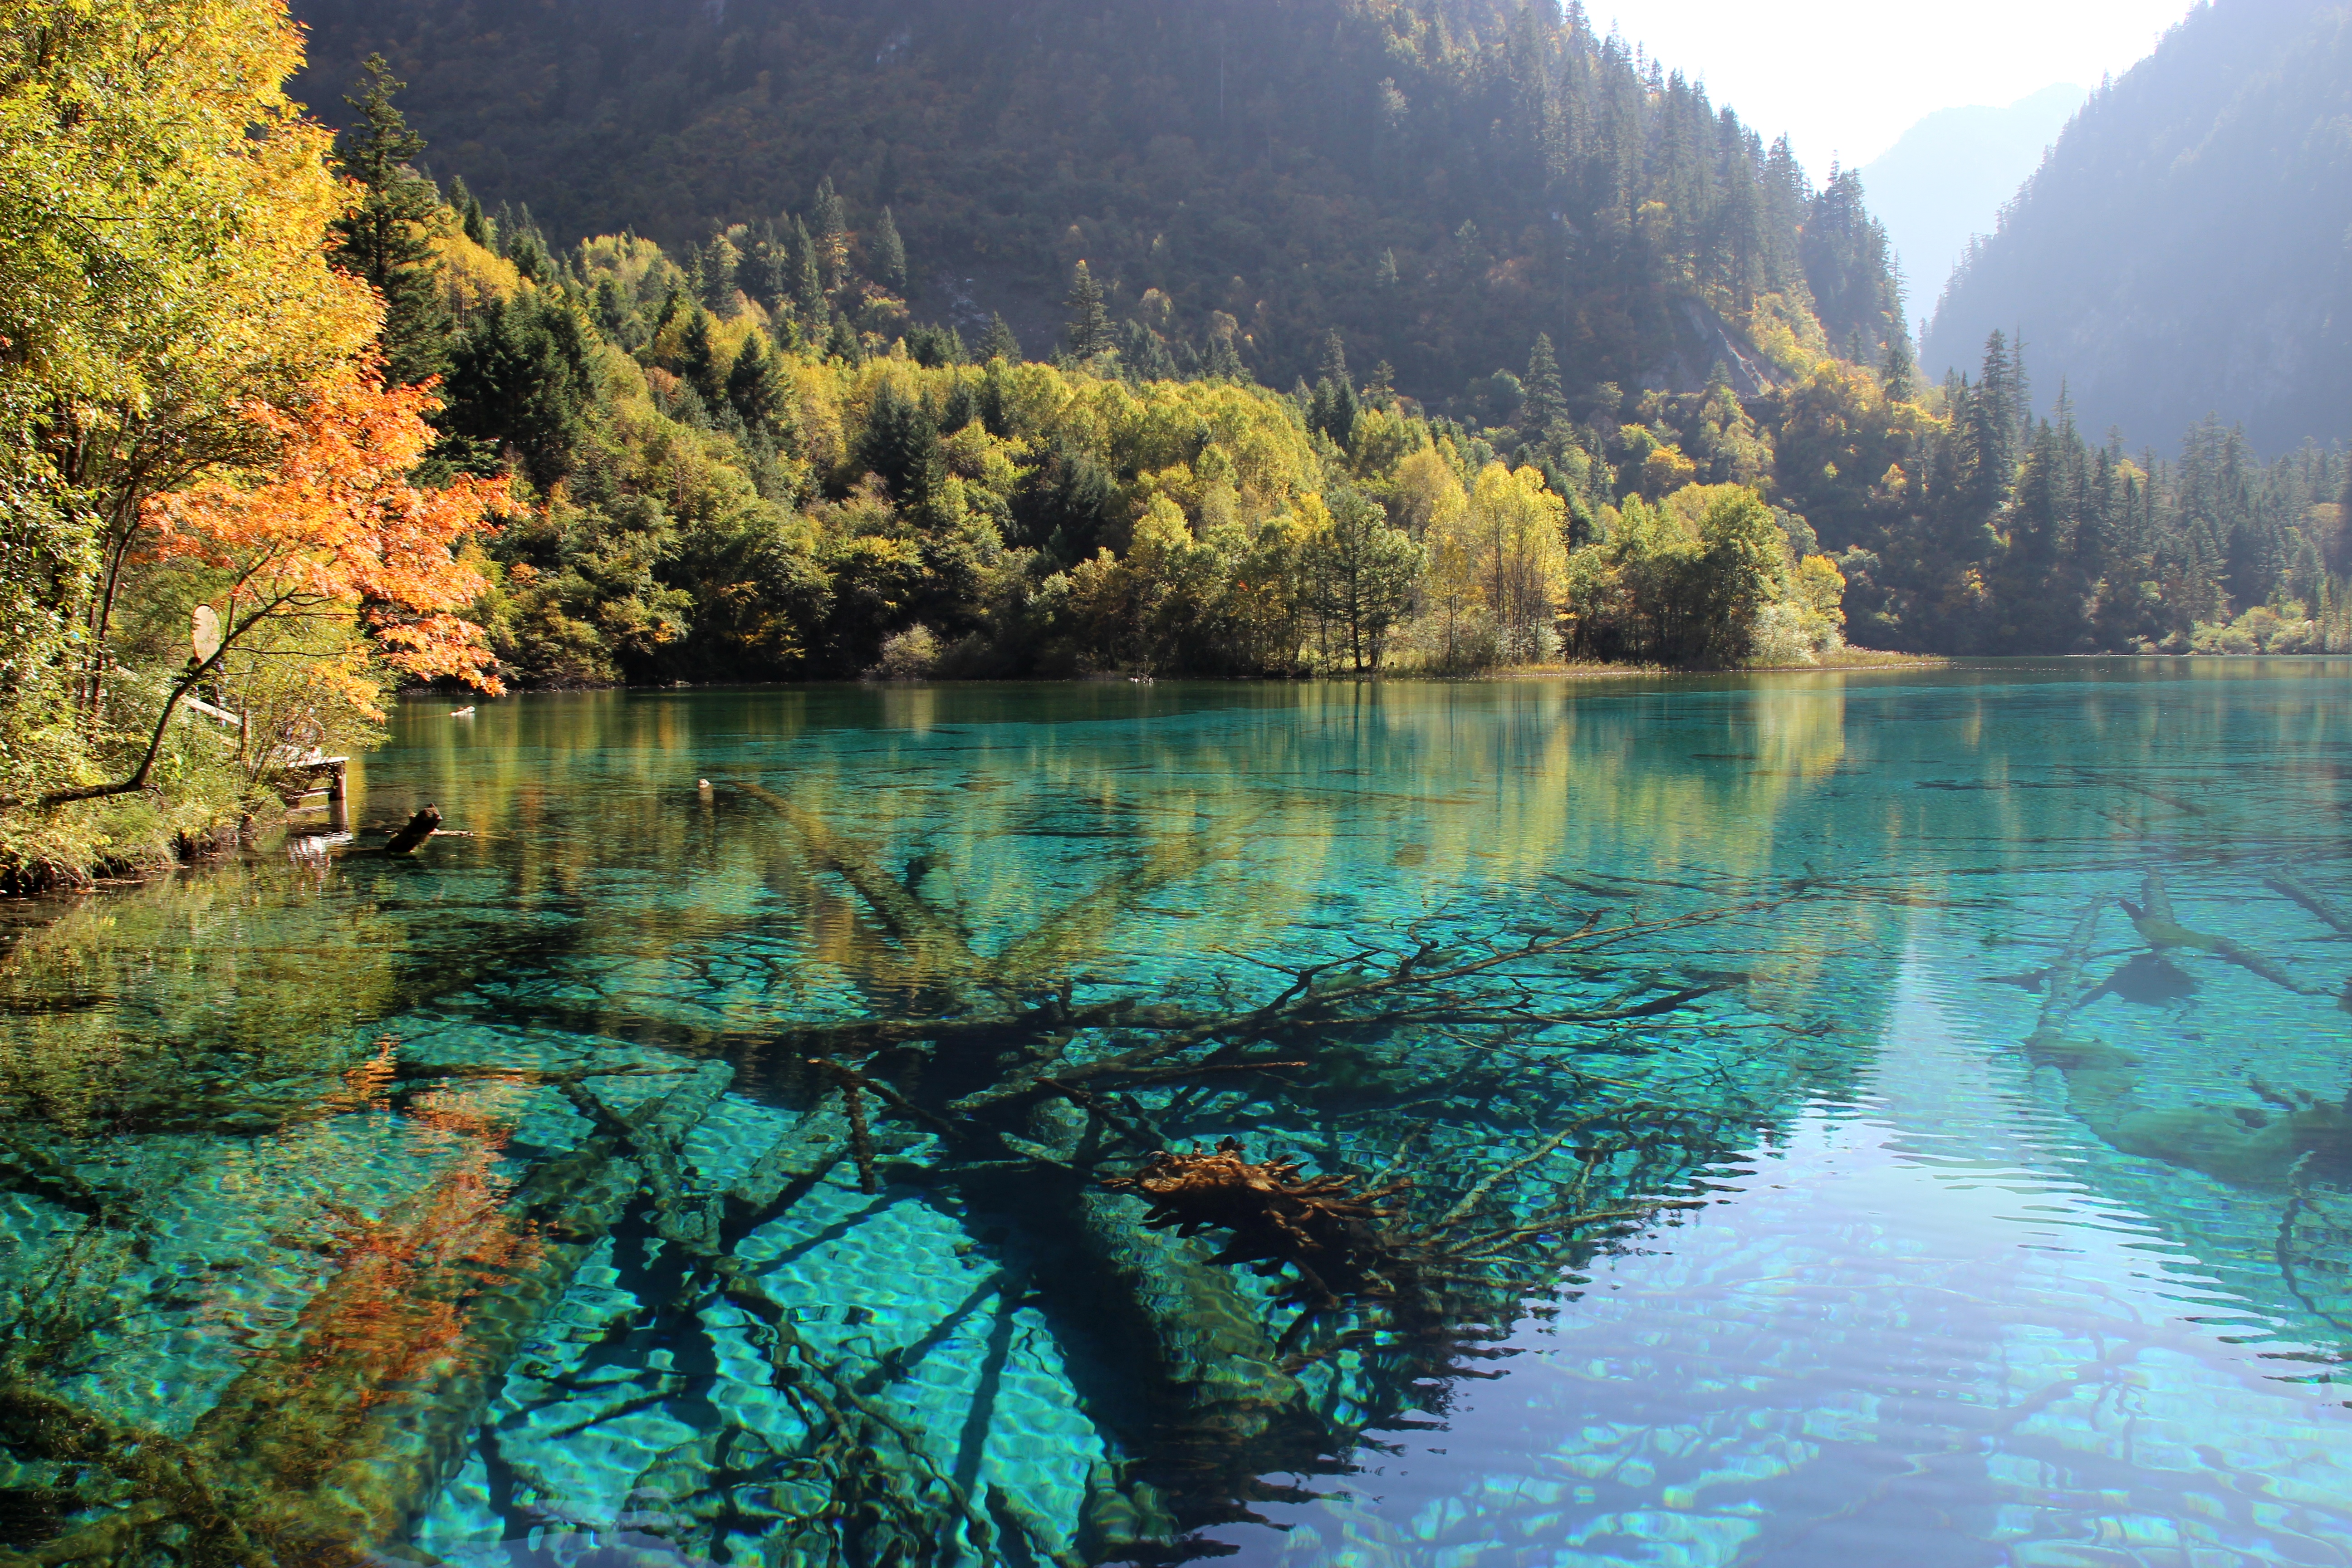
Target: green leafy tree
[(1362, 573), (386, 239), (1088, 330), (1742, 565)]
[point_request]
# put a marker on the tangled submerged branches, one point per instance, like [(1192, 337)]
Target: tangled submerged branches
[(1476, 1107)]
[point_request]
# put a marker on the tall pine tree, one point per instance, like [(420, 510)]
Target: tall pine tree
[(1000, 343), (1333, 407), (1543, 402), (808, 282), (1993, 431), (832, 234), (386, 239), (697, 362), (890, 252), (755, 386), (1088, 332)]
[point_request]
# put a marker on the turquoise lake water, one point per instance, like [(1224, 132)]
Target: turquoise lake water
[(1885, 1117)]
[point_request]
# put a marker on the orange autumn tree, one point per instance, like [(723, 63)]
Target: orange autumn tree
[(334, 532)]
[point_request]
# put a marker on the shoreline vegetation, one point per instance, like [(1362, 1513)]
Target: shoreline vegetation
[(295, 426)]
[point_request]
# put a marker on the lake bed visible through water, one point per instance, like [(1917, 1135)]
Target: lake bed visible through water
[(1873, 1118)]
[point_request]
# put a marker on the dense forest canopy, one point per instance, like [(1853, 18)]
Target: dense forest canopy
[(1437, 182), (2187, 246)]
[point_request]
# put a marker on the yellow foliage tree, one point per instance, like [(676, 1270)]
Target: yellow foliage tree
[(163, 213), (1514, 531)]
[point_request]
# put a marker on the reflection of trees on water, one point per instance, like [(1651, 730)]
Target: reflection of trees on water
[(988, 1015), (1529, 1084)]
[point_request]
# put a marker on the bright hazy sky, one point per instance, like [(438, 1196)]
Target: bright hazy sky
[(1845, 77)]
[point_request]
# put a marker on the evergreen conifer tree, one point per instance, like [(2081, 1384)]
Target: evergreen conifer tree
[(889, 252), (1223, 361), (2335, 550), (832, 234), (1898, 373), (527, 249), (1542, 403), (771, 268), (843, 342), (808, 283), (1332, 406), (518, 380), (1089, 332), (385, 240), (721, 265), (1333, 366), (755, 388), (481, 228), (471, 218), (698, 362), (1991, 423), (1000, 343), (900, 445)]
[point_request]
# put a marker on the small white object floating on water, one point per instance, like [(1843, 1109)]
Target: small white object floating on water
[(465, 712)]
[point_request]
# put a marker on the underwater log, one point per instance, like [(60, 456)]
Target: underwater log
[(1225, 1408), (2154, 919)]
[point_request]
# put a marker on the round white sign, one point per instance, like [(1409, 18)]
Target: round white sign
[(205, 632)]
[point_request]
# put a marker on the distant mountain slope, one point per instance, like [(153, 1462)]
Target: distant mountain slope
[(1950, 174), (1439, 180), (2187, 247)]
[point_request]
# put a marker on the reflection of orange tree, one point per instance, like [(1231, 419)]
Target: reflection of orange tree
[(300, 1459), (393, 1318)]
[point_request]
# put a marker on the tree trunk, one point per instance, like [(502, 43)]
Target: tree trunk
[(420, 828)]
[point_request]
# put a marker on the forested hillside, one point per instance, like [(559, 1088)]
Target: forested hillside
[(302, 409), (2187, 248), (1438, 182)]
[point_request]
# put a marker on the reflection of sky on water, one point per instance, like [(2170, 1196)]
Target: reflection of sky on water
[(1911, 1334)]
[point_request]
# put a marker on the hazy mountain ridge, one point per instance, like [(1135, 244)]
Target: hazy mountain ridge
[(1947, 179), (2188, 245)]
